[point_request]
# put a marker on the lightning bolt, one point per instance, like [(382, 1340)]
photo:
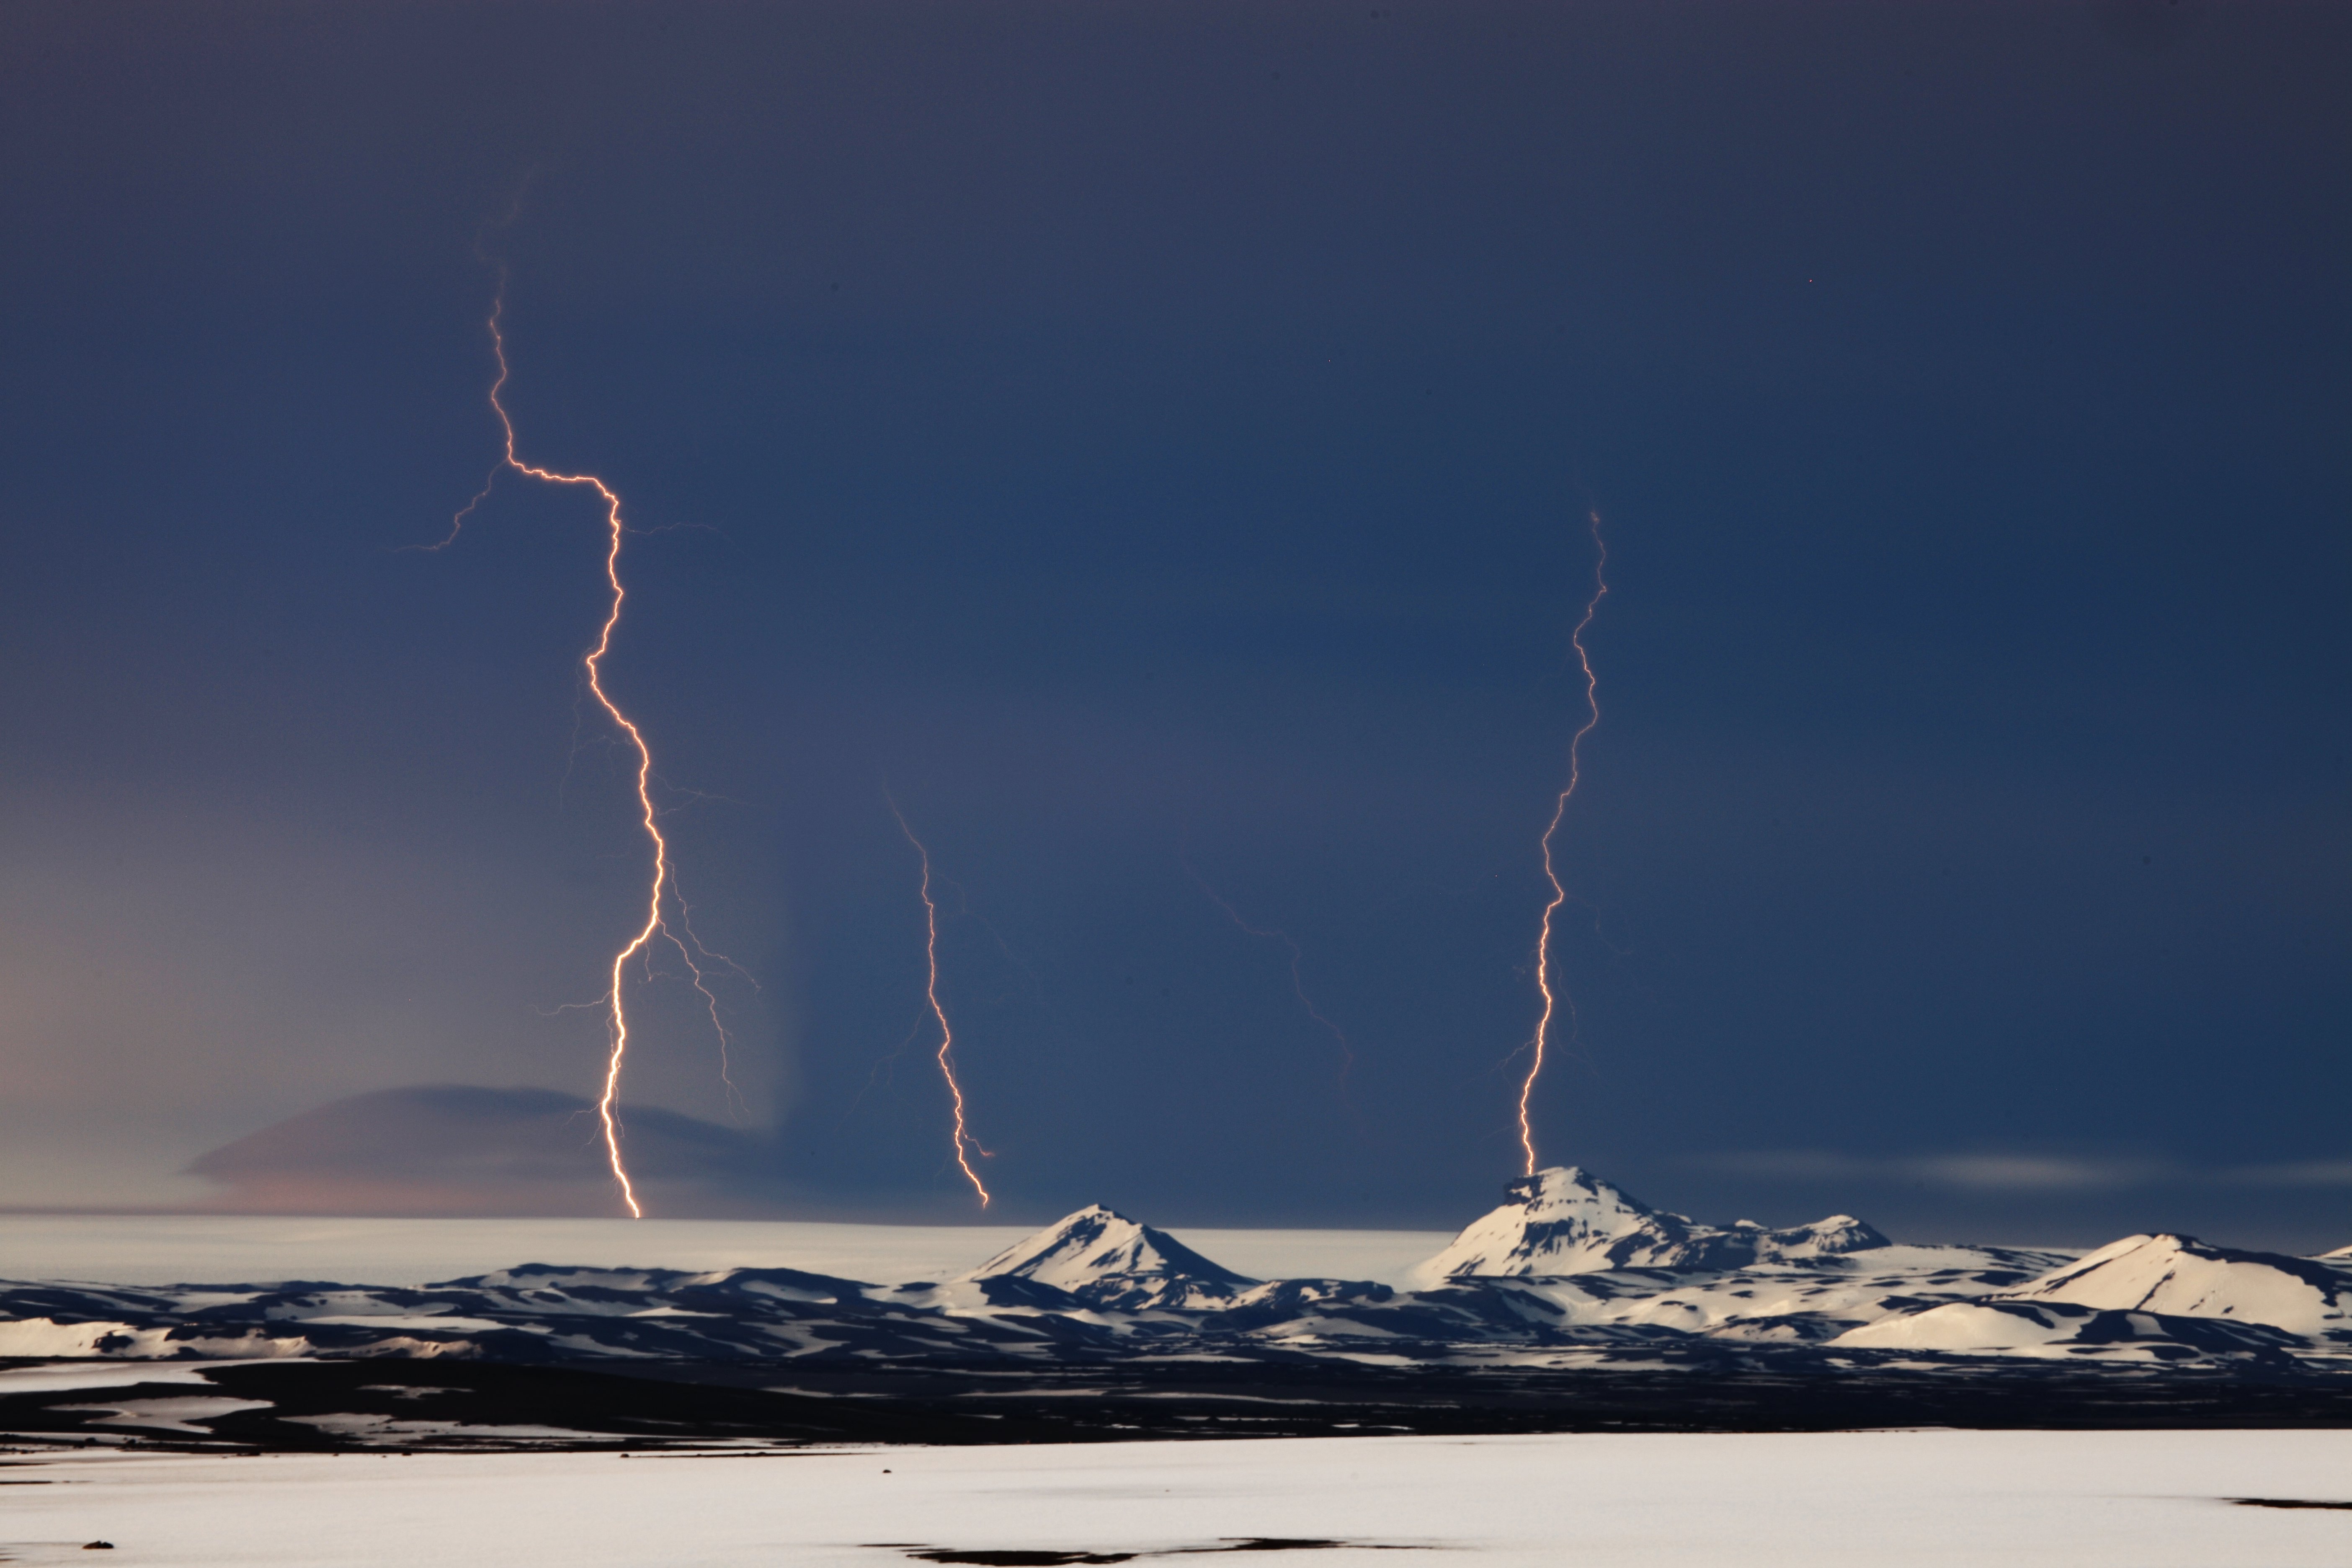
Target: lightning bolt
[(1553, 1002), (662, 886), (1297, 985), (966, 1145)]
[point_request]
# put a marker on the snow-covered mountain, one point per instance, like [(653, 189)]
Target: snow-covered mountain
[(2184, 1277), (2140, 1293), (1090, 1288), (2055, 1330), (1572, 1273), (1566, 1220), (1109, 1261), (543, 1313)]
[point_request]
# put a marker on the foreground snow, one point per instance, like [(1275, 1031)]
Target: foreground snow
[(2149, 1500)]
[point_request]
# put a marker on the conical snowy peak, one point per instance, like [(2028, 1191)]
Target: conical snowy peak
[(1108, 1261), (1569, 1195), (1565, 1220), (2183, 1276)]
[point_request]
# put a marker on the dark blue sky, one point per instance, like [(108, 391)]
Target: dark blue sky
[(1144, 433)]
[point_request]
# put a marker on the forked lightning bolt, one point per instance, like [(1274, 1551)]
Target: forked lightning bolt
[(966, 1145), (1553, 1002), (662, 887)]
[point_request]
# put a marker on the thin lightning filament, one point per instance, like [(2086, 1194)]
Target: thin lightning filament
[(1297, 983), (966, 1145), (662, 881), (1553, 1002)]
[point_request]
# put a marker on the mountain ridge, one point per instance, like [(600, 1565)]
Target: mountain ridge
[(1566, 1220), (1574, 1272)]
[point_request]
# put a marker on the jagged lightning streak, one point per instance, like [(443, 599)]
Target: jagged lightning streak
[(1560, 810), (664, 879), (966, 1145), (1298, 985)]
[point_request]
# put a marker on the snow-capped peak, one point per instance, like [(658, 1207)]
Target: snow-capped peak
[(1108, 1261), (1566, 1220)]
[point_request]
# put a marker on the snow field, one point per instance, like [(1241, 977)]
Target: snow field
[(2080, 1499)]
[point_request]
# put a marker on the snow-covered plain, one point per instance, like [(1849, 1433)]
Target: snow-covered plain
[(2080, 1499), (163, 1249)]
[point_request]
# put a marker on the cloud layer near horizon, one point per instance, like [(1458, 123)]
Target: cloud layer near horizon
[(453, 1148)]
